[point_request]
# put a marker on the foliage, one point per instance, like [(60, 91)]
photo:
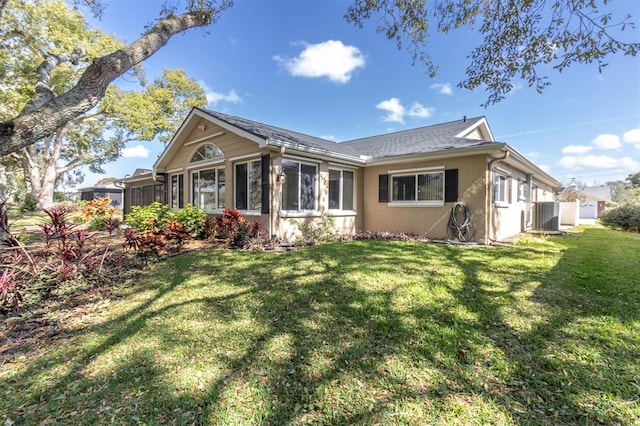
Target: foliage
[(86, 86), (364, 332), (316, 232), (99, 214), (177, 233), (569, 195), (634, 180), (145, 243), (191, 217), (521, 38), (92, 139), (29, 203), (234, 228), (70, 255), (626, 218), (145, 218)]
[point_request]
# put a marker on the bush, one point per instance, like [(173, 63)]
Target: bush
[(191, 217), (236, 229), (626, 218), (29, 204), (314, 233), (99, 212), (146, 218)]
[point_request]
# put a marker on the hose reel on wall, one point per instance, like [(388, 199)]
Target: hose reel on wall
[(461, 226)]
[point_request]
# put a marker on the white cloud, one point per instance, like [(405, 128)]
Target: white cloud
[(137, 151), (331, 59), (394, 108), (607, 141), (443, 88), (576, 149), (533, 155), (329, 137), (418, 110), (633, 137), (396, 111), (598, 162), (214, 97), (545, 168)]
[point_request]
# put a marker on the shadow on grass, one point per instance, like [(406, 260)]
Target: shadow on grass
[(362, 332)]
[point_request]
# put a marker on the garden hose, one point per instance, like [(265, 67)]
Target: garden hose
[(461, 227)]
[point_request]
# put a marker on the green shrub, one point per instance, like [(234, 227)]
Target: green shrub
[(29, 204), (191, 217), (145, 218), (626, 218), (314, 233)]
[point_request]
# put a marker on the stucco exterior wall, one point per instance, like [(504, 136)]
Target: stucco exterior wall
[(514, 215), (430, 221)]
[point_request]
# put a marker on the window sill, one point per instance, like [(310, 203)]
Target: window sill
[(501, 204), (416, 204), (250, 212), (300, 213), (342, 213)]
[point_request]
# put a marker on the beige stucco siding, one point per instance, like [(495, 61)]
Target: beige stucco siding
[(231, 145), (430, 221)]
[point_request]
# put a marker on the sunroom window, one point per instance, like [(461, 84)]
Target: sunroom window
[(248, 186), (208, 189), (341, 189), (299, 187)]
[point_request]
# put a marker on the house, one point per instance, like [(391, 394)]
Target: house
[(103, 189), (407, 181), (593, 200)]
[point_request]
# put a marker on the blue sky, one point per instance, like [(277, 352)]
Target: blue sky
[(301, 66)]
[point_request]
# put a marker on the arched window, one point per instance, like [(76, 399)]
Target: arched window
[(207, 151)]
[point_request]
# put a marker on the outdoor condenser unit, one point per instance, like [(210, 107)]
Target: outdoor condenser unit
[(546, 216)]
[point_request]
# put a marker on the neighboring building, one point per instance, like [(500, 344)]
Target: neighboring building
[(406, 181), (103, 190), (593, 200)]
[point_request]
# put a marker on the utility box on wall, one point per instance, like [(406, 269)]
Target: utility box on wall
[(546, 216)]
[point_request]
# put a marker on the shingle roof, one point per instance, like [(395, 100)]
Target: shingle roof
[(426, 139), (284, 136)]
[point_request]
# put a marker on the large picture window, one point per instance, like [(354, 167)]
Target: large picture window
[(299, 187), (341, 189), (208, 189), (419, 187), (248, 186)]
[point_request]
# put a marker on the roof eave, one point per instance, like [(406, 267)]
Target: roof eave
[(536, 171)]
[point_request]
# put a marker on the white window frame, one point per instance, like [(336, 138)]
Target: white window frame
[(341, 208), (235, 180), (501, 176), (301, 212), (416, 202), (196, 203)]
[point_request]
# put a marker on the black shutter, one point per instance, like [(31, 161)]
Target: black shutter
[(383, 188), (266, 172), (180, 191), (451, 186)]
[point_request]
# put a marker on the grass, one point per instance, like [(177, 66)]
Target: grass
[(365, 332)]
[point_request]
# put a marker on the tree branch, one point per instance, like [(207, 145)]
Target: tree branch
[(36, 123)]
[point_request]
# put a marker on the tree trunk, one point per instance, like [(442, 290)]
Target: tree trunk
[(39, 121)]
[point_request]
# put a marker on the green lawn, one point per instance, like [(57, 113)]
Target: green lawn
[(365, 332)]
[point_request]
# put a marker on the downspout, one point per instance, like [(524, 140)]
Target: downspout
[(487, 225)]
